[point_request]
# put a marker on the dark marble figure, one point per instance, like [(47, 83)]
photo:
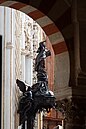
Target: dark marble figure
[(37, 97)]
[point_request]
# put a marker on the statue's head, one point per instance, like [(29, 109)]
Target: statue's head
[(41, 46)]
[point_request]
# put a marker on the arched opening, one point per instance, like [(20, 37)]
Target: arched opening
[(56, 39), (21, 37)]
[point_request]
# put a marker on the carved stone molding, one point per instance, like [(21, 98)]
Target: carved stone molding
[(9, 45), (28, 26), (18, 25), (26, 52)]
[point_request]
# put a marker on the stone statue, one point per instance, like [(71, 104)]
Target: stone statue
[(37, 97)]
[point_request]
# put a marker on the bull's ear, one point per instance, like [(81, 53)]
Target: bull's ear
[(21, 85)]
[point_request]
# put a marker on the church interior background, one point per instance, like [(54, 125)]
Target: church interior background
[(64, 27)]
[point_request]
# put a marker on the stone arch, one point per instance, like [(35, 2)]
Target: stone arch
[(62, 66)]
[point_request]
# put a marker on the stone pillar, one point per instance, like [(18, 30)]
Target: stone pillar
[(76, 40), (7, 70), (3, 61), (82, 31), (17, 59), (79, 29), (81, 14), (23, 48), (76, 111)]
